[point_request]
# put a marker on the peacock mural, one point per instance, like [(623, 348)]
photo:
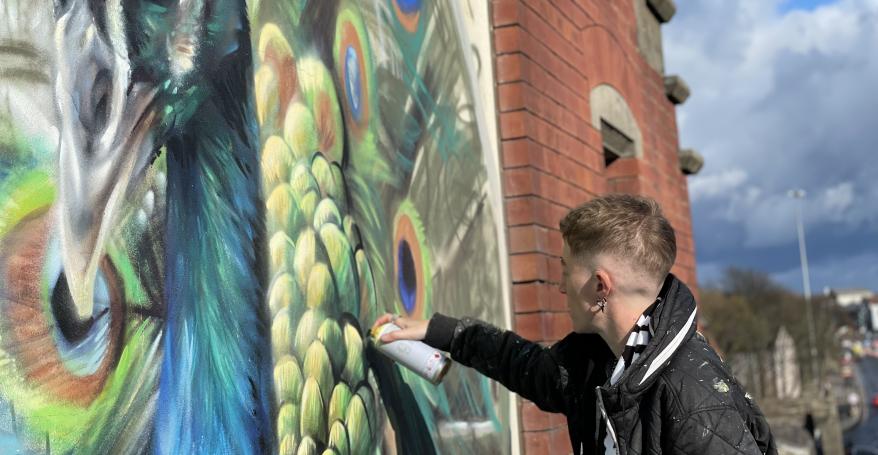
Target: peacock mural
[(195, 241)]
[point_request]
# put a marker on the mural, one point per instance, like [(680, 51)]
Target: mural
[(203, 206)]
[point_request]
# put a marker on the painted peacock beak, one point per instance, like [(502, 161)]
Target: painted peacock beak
[(97, 175)]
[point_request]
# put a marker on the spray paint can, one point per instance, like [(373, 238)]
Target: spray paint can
[(427, 362)]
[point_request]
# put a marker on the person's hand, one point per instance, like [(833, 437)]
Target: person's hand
[(410, 329)]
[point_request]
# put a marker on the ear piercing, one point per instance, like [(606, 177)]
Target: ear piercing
[(602, 303)]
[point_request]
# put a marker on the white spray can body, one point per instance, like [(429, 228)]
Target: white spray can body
[(427, 362)]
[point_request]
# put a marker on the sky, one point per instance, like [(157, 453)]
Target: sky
[(784, 95)]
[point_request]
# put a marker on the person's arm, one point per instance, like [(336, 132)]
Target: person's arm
[(524, 367)]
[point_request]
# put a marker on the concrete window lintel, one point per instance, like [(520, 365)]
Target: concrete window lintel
[(664, 10), (676, 89), (690, 161)]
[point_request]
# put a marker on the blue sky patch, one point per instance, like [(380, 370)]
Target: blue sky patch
[(807, 5)]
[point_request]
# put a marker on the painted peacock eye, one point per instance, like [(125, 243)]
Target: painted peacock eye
[(406, 276), (81, 344), (408, 13), (352, 78), (354, 60), (412, 278), (58, 353)]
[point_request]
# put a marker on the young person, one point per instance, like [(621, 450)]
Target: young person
[(635, 377)]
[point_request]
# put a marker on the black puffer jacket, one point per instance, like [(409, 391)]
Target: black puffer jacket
[(678, 397)]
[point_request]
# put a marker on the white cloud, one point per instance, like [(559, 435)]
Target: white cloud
[(718, 184), (836, 201), (779, 100), (742, 77), (768, 218)]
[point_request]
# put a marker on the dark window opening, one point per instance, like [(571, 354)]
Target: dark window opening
[(616, 143)]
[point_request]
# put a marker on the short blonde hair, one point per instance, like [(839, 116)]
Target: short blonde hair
[(629, 227)]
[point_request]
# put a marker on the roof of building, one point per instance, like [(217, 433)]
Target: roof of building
[(849, 291)]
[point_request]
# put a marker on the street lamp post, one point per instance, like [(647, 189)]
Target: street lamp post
[(799, 195)]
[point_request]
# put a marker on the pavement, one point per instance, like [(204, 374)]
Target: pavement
[(851, 416), (863, 438)]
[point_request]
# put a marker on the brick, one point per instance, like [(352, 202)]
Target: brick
[(574, 196), (520, 181), (548, 186), (624, 167), (556, 164), (566, 72), (511, 96), (556, 189), (512, 124), (560, 440), (593, 137), (574, 12), (550, 36), (528, 267), (555, 299), (537, 442), (518, 152), (505, 12), (558, 325), (550, 136), (601, 186), (628, 185), (527, 239), (686, 260), (538, 296), (534, 419), (526, 297), (558, 421), (522, 95), (519, 67), (557, 17), (555, 272), (554, 214), (507, 39), (587, 180), (555, 242), (509, 67), (565, 61), (530, 326), (592, 157), (534, 210), (520, 211)]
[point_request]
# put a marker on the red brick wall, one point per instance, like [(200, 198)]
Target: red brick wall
[(549, 55)]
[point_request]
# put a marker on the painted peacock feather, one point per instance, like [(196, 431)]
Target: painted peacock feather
[(197, 275)]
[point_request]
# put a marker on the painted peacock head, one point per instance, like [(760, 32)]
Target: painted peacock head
[(131, 74)]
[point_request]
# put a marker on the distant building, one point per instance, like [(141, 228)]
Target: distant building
[(870, 308), (772, 372), (860, 303), (788, 378), (849, 297)]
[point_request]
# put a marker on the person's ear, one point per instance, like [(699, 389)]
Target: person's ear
[(603, 283)]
